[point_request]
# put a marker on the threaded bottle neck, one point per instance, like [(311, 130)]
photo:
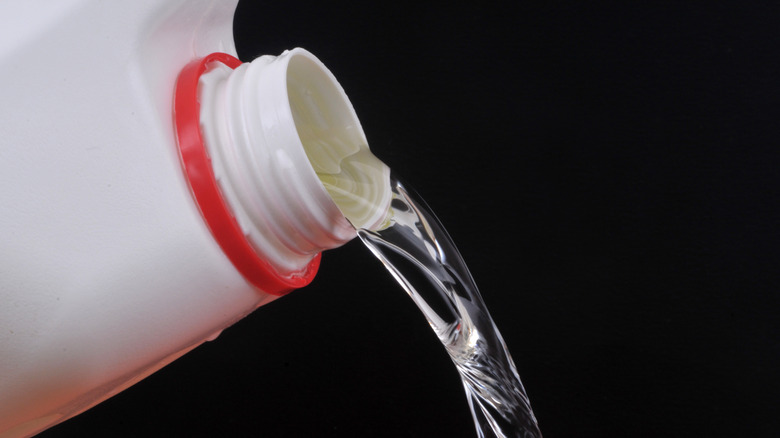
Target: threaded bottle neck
[(260, 163)]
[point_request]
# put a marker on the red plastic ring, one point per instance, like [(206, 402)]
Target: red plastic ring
[(203, 185)]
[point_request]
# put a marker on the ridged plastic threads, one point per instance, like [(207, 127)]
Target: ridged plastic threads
[(203, 184)]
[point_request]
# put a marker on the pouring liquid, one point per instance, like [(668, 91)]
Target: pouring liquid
[(418, 252)]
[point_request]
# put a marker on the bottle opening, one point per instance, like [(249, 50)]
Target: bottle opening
[(334, 142), (290, 157)]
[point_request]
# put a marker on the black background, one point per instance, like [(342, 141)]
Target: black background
[(610, 174)]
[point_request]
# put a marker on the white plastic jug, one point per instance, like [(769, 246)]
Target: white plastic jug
[(140, 215)]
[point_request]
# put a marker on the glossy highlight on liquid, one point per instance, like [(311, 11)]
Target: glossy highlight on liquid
[(418, 252)]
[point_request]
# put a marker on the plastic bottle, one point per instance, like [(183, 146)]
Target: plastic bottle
[(135, 225)]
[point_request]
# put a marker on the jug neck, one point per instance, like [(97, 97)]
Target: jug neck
[(258, 160)]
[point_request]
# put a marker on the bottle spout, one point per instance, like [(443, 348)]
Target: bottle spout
[(334, 142), (289, 157)]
